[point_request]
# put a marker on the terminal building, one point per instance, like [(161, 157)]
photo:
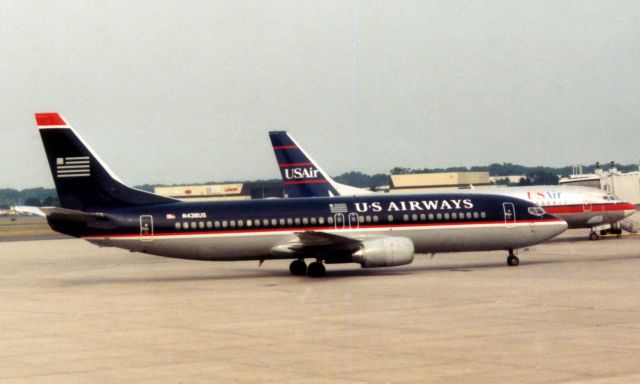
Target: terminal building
[(432, 182), (624, 185), (234, 191)]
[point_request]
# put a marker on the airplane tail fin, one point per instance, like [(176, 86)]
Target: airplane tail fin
[(82, 180), (301, 175)]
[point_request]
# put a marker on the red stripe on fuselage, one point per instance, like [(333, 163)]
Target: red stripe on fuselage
[(588, 208), (285, 147)]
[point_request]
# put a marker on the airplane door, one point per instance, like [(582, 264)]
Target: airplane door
[(146, 228), (339, 220), (509, 215), (353, 221)]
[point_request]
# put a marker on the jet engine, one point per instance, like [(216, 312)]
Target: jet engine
[(384, 252)]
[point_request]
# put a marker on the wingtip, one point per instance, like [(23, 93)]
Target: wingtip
[(50, 120)]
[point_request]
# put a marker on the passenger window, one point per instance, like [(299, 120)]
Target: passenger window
[(209, 224), (361, 219), (414, 217), (390, 218), (313, 221), (423, 217), (439, 216), (446, 216), (232, 223), (289, 221), (375, 218), (468, 215), (249, 223), (193, 225), (431, 217), (305, 221), (225, 224), (177, 225), (240, 224), (216, 224), (274, 222), (265, 222), (475, 215), (257, 222), (483, 215), (321, 220), (185, 225), (368, 218), (201, 225), (282, 222), (405, 217), (330, 220), (454, 216)]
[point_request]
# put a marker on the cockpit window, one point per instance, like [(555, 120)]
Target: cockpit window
[(536, 211)]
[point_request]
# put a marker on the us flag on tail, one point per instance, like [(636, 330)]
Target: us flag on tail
[(73, 167)]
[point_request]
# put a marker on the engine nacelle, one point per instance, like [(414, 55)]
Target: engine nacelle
[(384, 252)]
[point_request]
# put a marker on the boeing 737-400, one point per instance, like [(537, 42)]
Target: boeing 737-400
[(580, 207), (373, 231)]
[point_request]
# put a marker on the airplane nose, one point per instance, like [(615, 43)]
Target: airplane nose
[(628, 208), (560, 227), (552, 229)]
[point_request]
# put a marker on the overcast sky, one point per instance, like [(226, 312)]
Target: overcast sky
[(186, 91)]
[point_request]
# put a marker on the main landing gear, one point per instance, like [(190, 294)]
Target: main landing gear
[(512, 260), (299, 268)]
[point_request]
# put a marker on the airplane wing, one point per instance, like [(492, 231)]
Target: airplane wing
[(316, 241)]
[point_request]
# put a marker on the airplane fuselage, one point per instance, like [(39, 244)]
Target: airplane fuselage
[(580, 207), (244, 230)]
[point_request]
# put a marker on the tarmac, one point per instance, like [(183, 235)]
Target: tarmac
[(75, 313)]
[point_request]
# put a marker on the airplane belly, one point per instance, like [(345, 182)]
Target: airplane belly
[(479, 238), (580, 219), (203, 247)]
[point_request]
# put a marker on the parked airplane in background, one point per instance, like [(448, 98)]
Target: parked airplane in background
[(580, 207), (373, 231)]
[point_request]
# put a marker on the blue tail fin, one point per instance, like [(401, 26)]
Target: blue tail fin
[(81, 178), (301, 175)]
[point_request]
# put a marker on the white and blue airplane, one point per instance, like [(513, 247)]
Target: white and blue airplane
[(373, 231)]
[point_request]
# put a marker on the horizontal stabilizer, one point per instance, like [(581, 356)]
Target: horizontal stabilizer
[(64, 214)]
